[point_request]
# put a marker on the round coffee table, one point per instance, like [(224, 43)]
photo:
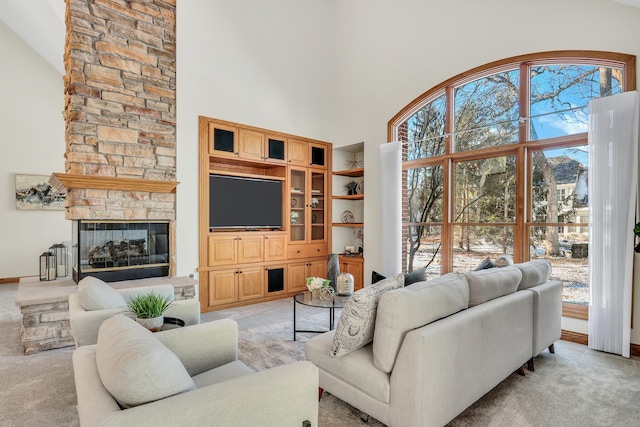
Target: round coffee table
[(305, 298)]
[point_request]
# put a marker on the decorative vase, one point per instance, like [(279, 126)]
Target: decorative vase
[(333, 270), (315, 293), (154, 324), (345, 284)]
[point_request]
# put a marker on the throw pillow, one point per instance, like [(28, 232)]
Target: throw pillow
[(134, 366), (376, 277), (503, 261), (417, 275), (357, 321), (94, 294), (487, 263), (485, 285), (534, 273)]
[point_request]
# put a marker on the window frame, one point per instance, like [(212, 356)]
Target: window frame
[(522, 149)]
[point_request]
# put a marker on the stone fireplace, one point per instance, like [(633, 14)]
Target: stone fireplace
[(120, 157)]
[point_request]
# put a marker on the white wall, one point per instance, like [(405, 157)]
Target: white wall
[(32, 138), (266, 64)]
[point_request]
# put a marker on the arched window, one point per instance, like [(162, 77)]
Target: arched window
[(495, 163)]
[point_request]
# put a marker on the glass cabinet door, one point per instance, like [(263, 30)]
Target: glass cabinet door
[(317, 205), (298, 201)]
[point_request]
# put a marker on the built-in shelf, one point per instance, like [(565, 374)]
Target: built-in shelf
[(350, 197), (354, 173), (67, 182), (350, 224)]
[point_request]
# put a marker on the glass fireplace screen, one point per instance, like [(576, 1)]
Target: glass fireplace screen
[(120, 250)]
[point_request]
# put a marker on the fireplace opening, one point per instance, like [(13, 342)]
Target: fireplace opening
[(120, 250)]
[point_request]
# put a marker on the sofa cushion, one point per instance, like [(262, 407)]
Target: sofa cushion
[(94, 294), (356, 369), (534, 273), (376, 277), (357, 321), (134, 366), (485, 285), (411, 307)]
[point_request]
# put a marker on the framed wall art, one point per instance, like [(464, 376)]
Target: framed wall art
[(33, 192)]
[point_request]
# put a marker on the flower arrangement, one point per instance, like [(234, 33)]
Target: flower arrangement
[(317, 283), (294, 217)]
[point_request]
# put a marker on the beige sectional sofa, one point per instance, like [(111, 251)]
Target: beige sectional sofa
[(440, 345)]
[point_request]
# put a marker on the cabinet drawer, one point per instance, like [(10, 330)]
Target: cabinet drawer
[(317, 249), (297, 251)]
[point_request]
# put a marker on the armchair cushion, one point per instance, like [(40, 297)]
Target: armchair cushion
[(94, 294), (357, 321), (134, 366)]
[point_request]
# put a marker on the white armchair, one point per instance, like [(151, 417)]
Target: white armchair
[(224, 391), (96, 302)]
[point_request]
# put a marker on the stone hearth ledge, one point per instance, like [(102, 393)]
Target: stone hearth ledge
[(45, 307)]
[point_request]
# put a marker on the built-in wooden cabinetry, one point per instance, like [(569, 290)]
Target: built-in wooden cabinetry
[(242, 266), (348, 210)]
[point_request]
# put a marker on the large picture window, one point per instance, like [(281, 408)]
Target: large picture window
[(495, 163)]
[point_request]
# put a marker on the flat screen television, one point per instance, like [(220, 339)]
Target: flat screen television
[(241, 202)]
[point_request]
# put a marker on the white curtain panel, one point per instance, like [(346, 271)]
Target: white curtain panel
[(391, 212), (613, 175)]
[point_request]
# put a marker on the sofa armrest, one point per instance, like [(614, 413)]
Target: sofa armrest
[(187, 310), (85, 324), (205, 346), (547, 314), (283, 396)]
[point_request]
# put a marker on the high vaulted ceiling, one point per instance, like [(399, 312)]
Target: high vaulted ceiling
[(40, 23)]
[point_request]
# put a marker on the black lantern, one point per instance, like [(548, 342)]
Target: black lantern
[(48, 266), (60, 251)]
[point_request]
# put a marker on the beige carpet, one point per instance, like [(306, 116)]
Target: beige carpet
[(574, 387)]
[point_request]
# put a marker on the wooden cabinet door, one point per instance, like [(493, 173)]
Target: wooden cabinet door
[(275, 247), (318, 155), (297, 274), (222, 250), (223, 140), (355, 268), (250, 283), (250, 145), (275, 149), (249, 249), (318, 269), (223, 287), (298, 152)]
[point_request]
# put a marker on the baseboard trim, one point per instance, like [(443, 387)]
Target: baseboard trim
[(9, 280), (584, 339), (576, 337)]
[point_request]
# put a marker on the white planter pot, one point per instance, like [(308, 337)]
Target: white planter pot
[(154, 324)]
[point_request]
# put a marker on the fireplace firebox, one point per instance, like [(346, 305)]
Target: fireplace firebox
[(120, 250)]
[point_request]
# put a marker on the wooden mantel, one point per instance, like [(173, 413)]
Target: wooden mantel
[(64, 182)]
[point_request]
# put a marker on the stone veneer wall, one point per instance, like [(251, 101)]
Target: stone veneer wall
[(120, 104)]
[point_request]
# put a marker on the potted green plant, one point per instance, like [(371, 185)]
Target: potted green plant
[(149, 309), (351, 187)]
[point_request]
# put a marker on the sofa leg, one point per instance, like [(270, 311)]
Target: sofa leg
[(364, 417), (521, 370), (530, 365), (320, 390), (552, 349)]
